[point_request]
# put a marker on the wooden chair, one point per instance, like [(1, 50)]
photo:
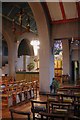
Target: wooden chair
[(53, 97), (28, 87), (72, 117), (12, 111), (34, 86), (30, 90), (50, 116), (65, 79), (59, 108), (25, 90), (18, 94), (67, 98), (56, 103), (77, 98), (77, 109), (38, 106), (14, 93), (37, 80)]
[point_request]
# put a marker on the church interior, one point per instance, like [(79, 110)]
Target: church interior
[(40, 60)]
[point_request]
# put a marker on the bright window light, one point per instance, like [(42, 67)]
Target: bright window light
[(35, 44)]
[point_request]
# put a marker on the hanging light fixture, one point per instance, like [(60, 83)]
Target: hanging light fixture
[(35, 43)]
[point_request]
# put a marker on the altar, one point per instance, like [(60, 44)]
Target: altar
[(29, 76)]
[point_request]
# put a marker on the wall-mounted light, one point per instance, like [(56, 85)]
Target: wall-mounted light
[(75, 41)]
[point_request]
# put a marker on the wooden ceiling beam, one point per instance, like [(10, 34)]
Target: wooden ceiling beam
[(65, 21), (78, 9), (62, 10), (47, 10)]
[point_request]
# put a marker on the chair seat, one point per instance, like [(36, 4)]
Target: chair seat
[(38, 106), (13, 111), (61, 110), (77, 93), (67, 100), (52, 99), (38, 109)]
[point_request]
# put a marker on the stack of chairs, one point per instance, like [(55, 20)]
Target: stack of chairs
[(58, 106), (16, 92)]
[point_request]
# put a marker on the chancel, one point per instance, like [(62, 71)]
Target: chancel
[(40, 70)]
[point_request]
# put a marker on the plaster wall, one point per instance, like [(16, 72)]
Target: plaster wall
[(66, 57), (65, 30), (45, 53), (12, 43), (5, 70), (75, 56), (0, 36), (79, 47)]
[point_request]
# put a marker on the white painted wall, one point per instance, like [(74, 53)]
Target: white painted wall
[(65, 30), (66, 57), (75, 56), (12, 45), (45, 53), (0, 72), (19, 64), (5, 69), (79, 60)]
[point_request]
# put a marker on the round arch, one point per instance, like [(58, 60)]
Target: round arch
[(28, 36), (4, 52), (45, 54), (7, 38), (11, 57)]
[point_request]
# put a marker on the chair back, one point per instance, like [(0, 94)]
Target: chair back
[(12, 111)]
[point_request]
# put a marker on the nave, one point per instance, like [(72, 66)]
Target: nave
[(64, 105), (26, 106)]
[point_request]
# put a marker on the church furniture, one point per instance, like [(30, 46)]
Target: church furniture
[(13, 111), (38, 106), (54, 116)]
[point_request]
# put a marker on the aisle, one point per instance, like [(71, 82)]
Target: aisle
[(24, 107)]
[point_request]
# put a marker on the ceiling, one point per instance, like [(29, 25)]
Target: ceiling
[(62, 12), (58, 12), (12, 11)]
